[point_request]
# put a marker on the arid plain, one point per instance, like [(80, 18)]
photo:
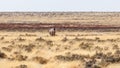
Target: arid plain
[(69, 48)]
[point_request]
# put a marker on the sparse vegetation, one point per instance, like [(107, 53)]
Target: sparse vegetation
[(41, 60), (40, 39), (20, 39), (22, 66), (87, 46), (45, 50), (2, 38), (64, 39), (20, 57), (7, 49), (29, 45), (49, 42), (3, 55)]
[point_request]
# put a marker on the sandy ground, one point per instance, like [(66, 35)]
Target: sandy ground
[(40, 50)]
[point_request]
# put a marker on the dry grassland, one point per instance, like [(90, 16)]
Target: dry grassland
[(67, 49), (103, 18)]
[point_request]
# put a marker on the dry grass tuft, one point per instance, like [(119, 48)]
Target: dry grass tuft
[(3, 55), (2, 38), (64, 39), (39, 39), (22, 66), (20, 57), (7, 49), (41, 60), (20, 39), (84, 45)]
